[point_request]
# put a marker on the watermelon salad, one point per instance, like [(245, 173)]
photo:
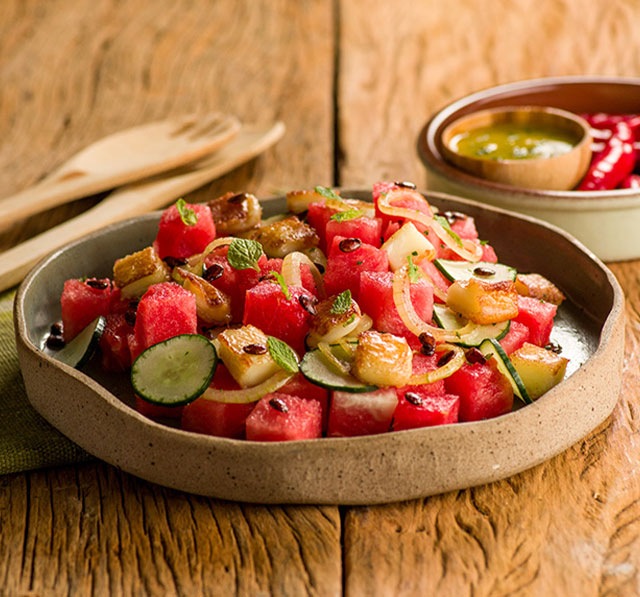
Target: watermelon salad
[(340, 318)]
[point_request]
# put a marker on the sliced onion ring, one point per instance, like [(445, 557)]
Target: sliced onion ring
[(402, 300), (364, 324), (332, 360), (291, 273), (446, 370), (195, 263), (469, 250), (385, 206), (247, 395)]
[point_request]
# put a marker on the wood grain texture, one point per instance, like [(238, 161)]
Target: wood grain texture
[(570, 526), (401, 62), (95, 530), (73, 71)]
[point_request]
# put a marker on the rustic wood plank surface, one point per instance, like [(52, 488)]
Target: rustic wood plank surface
[(72, 71), (572, 525)]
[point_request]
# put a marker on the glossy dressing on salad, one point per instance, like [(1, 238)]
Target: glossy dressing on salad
[(342, 318)]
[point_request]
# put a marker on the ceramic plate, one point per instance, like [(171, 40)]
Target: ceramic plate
[(94, 410)]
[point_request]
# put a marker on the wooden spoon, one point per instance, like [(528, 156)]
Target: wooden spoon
[(136, 199), (121, 158)]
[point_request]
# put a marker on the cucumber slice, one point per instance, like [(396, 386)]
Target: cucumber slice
[(464, 270), (449, 320), (176, 371), (491, 348), (315, 368), (79, 350)]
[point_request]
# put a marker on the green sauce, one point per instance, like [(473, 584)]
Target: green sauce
[(512, 141)]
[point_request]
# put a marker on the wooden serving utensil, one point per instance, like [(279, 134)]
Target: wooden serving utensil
[(120, 158), (139, 198)]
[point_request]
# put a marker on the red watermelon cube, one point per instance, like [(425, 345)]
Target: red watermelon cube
[(422, 364), (517, 335), (538, 316), (488, 254), (114, 343), (267, 308), (389, 229), (81, 302), (177, 239), (368, 230), (361, 414), (233, 282), (275, 265), (381, 188), (281, 417), (484, 392), (375, 298), (164, 311), (464, 226), (301, 387), (217, 418), (345, 266), (154, 411), (318, 215), (415, 410), (435, 275)]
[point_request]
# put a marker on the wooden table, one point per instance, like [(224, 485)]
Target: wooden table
[(353, 82)]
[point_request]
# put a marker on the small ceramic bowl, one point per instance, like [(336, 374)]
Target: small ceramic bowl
[(559, 171), (606, 221)]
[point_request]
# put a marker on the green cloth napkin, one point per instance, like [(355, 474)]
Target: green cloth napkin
[(27, 441)]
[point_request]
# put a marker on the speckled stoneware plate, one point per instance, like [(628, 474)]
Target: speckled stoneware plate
[(94, 410)]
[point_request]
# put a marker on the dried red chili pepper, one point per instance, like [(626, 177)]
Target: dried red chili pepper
[(630, 182), (614, 163)]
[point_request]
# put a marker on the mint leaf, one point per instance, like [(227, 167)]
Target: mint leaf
[(187, 215), (414, 272), (244, 254), (327, 193), (283, 284), (349, 214), (284, 356), (342, 303), (445, 224)]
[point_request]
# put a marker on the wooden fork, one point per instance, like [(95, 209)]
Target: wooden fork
[(121, 158), (136, 199)]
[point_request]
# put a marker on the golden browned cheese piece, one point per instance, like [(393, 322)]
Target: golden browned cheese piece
[(538, 368), (382, 359), (137, 266), (299, 201), (325, 319), (245, 353), (281, 238), (235, 212), (212, 305), (537, 286), (482, 302)]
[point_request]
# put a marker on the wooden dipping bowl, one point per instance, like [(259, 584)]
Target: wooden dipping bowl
[(560, 172)]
